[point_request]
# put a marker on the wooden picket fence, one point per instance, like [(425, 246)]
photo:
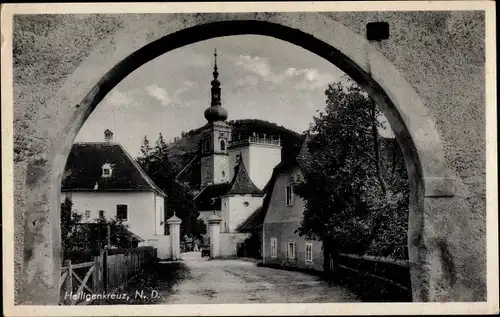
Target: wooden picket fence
[(81, 283), (122, 266)]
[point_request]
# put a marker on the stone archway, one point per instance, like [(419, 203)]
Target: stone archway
[(408, 116)]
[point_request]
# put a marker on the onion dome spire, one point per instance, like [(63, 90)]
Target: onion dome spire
[(215, 112)]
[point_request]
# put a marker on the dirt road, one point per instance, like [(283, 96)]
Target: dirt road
[(237, 281)]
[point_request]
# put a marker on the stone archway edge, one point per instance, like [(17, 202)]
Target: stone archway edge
[(409, 117)]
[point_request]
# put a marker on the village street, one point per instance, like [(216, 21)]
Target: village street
[(239, 281)]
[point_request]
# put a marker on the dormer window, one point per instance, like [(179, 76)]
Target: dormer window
[(106, 170), (222, 145)]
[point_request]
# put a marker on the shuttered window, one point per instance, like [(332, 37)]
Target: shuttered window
[(309, 252), (290, 251), (289, 195), (274, 248)]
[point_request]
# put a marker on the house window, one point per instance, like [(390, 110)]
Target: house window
[(223, 174), (102, 214), (309, 252), (289, 195), (122, 212), (274, 248), (290, 250), (222, 145), (87, 214), (106, 170)]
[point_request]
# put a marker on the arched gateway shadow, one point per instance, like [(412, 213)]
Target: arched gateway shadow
[(413, 126)]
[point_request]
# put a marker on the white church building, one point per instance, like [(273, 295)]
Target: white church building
[(232, 173)]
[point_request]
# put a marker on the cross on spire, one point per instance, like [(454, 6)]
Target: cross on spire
[(216, 73)]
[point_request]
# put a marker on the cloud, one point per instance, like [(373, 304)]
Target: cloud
[(259, 66), (180, 91), (121, 100), (305, 78), (174, 100), (189, 83), (247, 80), (117, 97), (310, 78), (199, 60), (159, 94)]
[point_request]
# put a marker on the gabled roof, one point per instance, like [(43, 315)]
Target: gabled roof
[(253, 222), (83, 171), (300, 158), (241, 183), (209, 197)]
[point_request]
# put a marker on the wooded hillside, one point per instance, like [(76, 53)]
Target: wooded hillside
[(184, 148)]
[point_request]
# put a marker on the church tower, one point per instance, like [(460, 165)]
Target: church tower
[(215, 138)]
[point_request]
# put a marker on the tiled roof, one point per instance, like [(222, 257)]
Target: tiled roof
[(241, 183), (209, 197), (83, 171)]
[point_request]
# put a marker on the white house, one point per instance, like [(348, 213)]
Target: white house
[(104, 181)]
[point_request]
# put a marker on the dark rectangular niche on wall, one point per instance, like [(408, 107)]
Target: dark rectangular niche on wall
[(377, 31)]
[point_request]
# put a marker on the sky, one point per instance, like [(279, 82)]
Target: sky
[(261, 78)]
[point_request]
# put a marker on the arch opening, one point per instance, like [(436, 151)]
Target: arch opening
[(294, 36)]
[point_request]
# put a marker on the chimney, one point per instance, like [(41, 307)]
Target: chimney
[(108, 136)]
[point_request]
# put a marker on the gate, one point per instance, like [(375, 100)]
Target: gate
[(80, 281)]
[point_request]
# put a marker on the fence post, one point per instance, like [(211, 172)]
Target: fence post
[(69, 284), (174, 223), (214, 231), (105, 270), (96, 274)]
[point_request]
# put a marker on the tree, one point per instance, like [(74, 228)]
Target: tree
[(179, 200), (199, 231), (70, 219), (120, 235), (343, 186), (145, 154)]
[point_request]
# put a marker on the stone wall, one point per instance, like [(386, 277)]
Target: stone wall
[(228, 243), (162, 245)]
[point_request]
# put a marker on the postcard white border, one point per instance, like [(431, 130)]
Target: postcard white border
[(490, 306)]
